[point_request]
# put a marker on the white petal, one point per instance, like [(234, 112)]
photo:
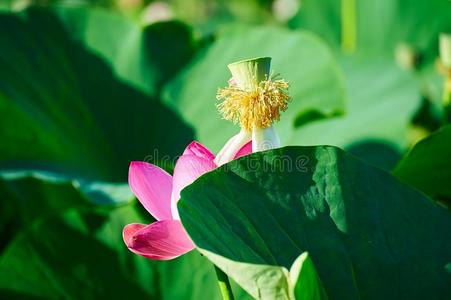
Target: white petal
[(232, 147), (264, 139)]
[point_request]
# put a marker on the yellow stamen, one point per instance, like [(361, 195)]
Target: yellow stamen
[(259, 107)]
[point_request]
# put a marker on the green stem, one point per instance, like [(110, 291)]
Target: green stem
[(224, 284), (447, 97), (348, 25), (445, 57)]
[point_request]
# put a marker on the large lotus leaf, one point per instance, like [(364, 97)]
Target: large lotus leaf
[(301, 58), (428, 165), (368, 235), (61, 258), (382, 102), (28, 195), (63, 110), (80, 255), (145, 57), (26, 198), (380, 25)]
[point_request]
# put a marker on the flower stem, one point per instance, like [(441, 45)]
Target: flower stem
[(224, 284), (447, 97), (445, 57), (348, 25)]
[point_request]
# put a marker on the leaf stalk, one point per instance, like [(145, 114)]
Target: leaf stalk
[(224, 284), (348, 25)]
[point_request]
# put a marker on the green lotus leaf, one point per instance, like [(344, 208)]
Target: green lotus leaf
[(58, 115), (427, 166), (368, 235)]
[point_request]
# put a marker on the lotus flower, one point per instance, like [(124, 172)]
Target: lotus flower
[(159, 192), (255, 100)]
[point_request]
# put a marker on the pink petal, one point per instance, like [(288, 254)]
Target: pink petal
[(245, 150), (199, 150), (130, 230), (152, 186), (187, 169), (161, 240)]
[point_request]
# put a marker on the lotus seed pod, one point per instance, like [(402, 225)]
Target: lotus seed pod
[(248, 73)]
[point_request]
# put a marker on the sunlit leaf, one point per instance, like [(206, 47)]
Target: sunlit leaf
[(382, 102), (382, 25)]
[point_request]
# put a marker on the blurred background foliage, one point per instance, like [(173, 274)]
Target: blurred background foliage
[(86, 86)]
